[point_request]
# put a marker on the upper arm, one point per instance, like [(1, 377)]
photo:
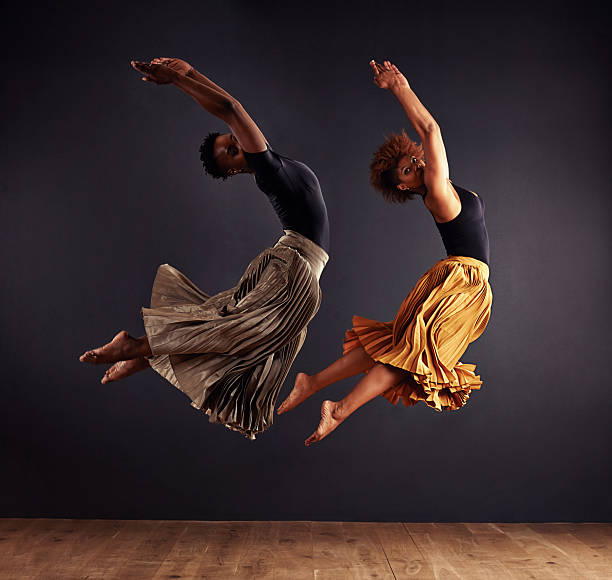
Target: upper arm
[(440, 198), (243, 127), (435, 153)]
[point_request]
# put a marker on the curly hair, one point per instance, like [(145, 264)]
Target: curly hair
[(208, 158), (384, 164)]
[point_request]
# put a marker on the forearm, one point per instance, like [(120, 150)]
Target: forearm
[(417, 114), (429, 132), (216, 102), (199, 77)]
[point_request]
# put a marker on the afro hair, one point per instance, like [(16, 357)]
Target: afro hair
[(384, 163)]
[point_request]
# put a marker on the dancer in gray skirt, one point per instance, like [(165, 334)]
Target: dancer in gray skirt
[(231, 352)]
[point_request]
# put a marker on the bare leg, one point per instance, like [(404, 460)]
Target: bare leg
[(352, 363), (122, 347), (124, 368), (376, 382)]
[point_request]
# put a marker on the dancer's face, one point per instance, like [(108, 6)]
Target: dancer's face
[(410, 173), (228, 154)]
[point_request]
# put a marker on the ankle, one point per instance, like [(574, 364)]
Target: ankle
[(314, 383), (340, 412), (144, 349)]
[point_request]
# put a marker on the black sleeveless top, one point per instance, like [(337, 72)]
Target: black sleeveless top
[(294, 192), (466, 235)]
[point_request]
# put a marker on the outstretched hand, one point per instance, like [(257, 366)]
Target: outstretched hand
[(387, 75), (157, 73)]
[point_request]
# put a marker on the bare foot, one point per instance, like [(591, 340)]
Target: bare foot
[(330, 419), (122, 347), (124, 368), (302, 389)]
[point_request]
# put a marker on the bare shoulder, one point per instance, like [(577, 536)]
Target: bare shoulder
[(443, 203)]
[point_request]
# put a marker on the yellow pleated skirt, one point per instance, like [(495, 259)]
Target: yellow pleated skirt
[(448, 308)]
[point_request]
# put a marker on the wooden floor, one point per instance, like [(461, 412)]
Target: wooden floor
[(105, 549)]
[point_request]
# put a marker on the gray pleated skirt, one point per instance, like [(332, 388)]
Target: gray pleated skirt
[(230, 353)]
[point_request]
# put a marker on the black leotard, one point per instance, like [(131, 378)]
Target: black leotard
[(294, 192), (466, 235)]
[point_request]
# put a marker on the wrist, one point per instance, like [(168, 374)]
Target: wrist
[(177, 78), (398, 88)]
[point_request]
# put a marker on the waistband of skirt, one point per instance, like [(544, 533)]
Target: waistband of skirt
[(484, 268), (314, 254)]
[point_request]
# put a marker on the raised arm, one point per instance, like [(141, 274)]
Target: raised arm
[(440, 197), (184, 68), (209, 95)]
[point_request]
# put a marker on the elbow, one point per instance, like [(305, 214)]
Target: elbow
[(230, 108), (430, 127)]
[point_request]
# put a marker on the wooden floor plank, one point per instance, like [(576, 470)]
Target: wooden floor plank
[(120, 549), (184, 559), (470, 553), (545, 558), (152, 551), (329, 550), (14, 533), (596, 536), (225, 546), (512, 554), (593, 560), (365, 551), (258, 556), (45, 543), (404, 557), (294, 557), (424, 536), (90, 539)]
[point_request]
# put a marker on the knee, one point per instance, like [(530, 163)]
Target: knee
[(391, 374)]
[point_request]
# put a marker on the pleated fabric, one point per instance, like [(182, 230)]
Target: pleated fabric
[(448, 308), (230, 353)]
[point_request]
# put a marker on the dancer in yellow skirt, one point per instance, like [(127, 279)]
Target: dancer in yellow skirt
[(415, 356)]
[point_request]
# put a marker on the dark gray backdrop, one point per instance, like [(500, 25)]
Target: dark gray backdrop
[(101, 182)]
